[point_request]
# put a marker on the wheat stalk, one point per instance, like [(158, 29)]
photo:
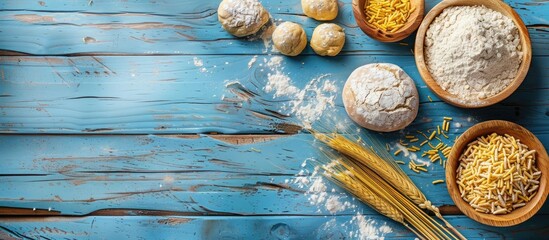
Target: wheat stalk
[(375, 192), (387, 170), (367, 196), (395, 176), (341, 177), (426, 227)]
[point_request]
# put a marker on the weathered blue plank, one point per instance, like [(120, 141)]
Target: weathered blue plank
[(272, 227), (185, 27), (163, 173), (80, 174), (169, 94), (188, 7)]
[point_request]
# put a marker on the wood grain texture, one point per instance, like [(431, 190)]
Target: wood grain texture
[(283, 227), (74, 129), (185, 27), (169, 94), (170, 173)]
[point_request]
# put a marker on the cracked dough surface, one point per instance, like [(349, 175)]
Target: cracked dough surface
[(381, 97), (322, 10), (328, 39), (289, 38), (242, 17)]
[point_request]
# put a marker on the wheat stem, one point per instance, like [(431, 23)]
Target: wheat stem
[(385, 179)]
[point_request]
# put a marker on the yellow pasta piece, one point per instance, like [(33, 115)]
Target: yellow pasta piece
[(387, 15)]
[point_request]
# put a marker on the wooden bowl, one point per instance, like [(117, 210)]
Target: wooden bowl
[(518, 215), (496, 5), (411, 24)]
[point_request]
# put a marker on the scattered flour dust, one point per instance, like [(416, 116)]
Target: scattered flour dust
[(369, 229), (199, 63), (307, 104), (309, 111), (266, 36), (317, 191), (319, 194), (281, 85), (333, 205), (275, 62), (252, 61)]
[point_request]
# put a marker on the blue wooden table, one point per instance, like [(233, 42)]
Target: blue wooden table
[(117, 122)]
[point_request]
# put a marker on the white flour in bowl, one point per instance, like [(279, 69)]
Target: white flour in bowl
[(473, 52)]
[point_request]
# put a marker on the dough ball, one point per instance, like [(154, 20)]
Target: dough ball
[(289, 38), (322, 10), (328, 39), (381, 97), (242, 17)]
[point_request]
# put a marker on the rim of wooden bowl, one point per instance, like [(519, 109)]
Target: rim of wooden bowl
[(411, 25), (542, 161), (496, 5)]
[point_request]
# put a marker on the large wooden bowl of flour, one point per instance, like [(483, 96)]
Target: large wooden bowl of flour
[(455, 99)]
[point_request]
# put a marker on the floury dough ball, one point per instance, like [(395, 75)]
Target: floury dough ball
[(322, 10), (328, 39), (289, 38), (242, 17), (381, 97)]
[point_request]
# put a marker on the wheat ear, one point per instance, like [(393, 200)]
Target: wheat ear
[(346, 181), (388, 170)]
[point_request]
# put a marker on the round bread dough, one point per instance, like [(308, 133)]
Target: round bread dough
[(242, 17), (328, 39), (289, 38), (381, 97), (322, 10)]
